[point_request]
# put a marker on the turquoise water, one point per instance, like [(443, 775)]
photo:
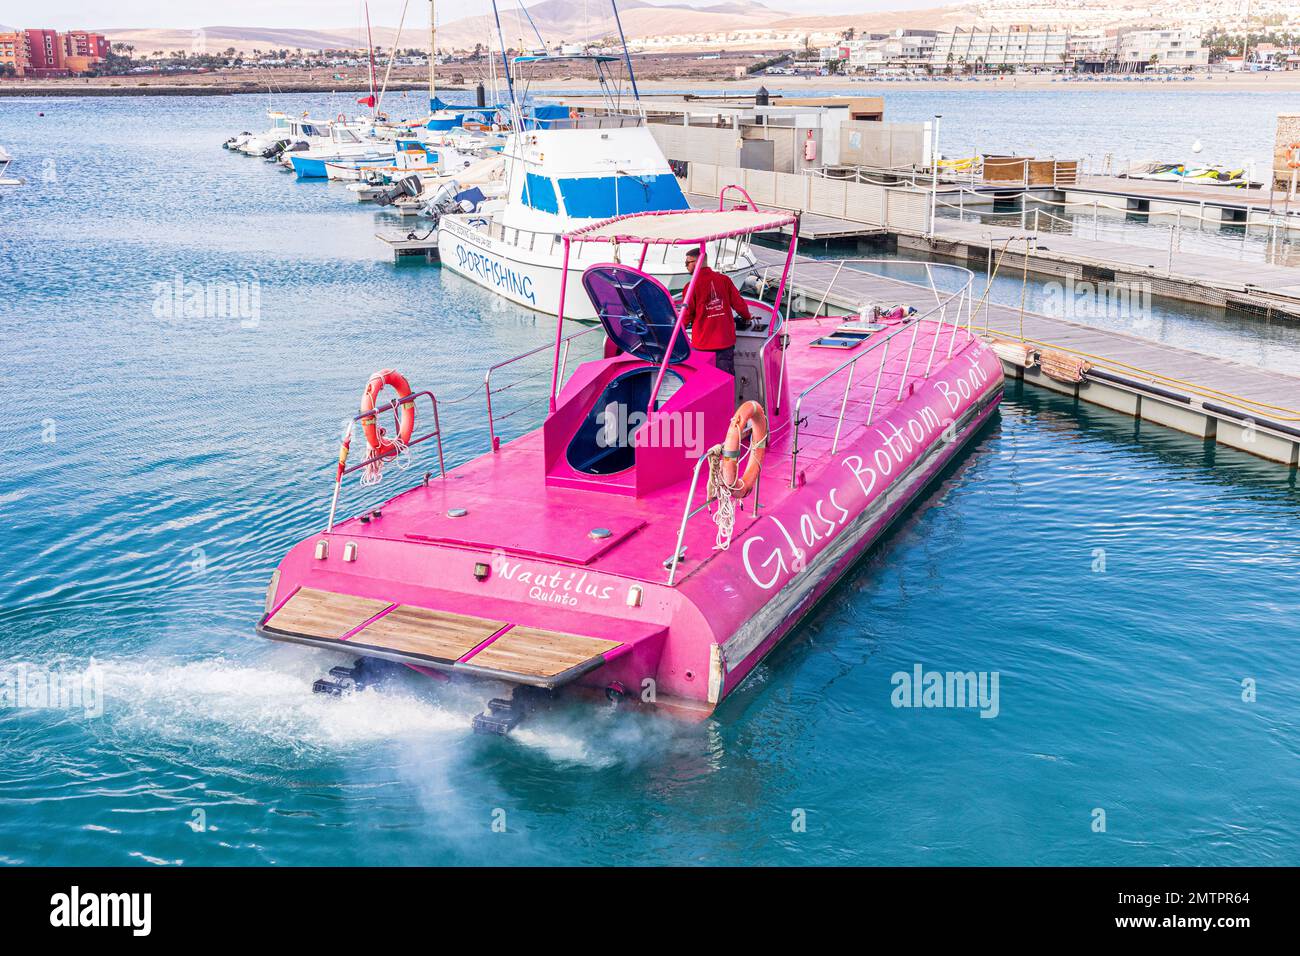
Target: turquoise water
[(156, 468)]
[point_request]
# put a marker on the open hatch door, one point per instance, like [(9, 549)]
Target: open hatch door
[(637, 312)]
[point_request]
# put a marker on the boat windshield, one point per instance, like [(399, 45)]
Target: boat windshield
[(599, 197)]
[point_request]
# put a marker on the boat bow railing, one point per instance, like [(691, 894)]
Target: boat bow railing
[(951, 312)]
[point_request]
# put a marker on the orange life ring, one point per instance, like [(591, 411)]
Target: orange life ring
[(377, 440), (751, 414)]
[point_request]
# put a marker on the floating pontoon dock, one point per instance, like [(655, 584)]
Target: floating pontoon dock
[(914, 213), (1257, 287), (1238, 405), (410, 243)]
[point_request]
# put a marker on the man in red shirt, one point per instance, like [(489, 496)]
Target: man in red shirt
[(713, 299)]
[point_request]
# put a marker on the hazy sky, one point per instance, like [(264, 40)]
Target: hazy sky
[(121, 14)]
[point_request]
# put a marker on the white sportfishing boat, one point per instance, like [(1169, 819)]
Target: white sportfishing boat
[(5, 160), (562, 173)]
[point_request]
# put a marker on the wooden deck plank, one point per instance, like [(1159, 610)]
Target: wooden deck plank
[(317, 613), (539, 653), (420, 630)]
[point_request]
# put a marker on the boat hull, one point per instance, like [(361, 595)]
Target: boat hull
[(752, 641), (687, 644), (532, 278)]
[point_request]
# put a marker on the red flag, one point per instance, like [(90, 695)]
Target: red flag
[(367, 101)]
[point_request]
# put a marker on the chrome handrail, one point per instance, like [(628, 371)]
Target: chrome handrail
[(688, 514), (942, 303), (345, 443), (941, 307)]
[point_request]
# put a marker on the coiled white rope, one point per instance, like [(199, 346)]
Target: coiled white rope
[(725, 515)]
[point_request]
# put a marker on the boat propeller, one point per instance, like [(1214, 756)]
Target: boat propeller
[(504, 714)]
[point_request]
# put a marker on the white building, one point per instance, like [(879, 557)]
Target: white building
[(991, 49), (1182, 49), (906, 49)]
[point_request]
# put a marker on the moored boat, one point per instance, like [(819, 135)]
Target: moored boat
[(564, 169), (667, 525)]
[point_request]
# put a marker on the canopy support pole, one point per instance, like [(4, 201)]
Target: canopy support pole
[(677, 329), (785, 272), (559, 324)]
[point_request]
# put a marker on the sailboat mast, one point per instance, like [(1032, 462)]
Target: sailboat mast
[(515, 108), (627, 56), (433, 50), (370, 42)]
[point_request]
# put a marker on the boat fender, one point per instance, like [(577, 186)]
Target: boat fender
[(377, 440), (1063, 366), (749, 414)]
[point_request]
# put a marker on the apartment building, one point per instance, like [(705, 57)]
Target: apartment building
[(48, 53), (1164, 48), (903, 49), (1017, 47), (1142, 49)]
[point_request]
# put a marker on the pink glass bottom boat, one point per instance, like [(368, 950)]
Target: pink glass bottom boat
[(606, 551)]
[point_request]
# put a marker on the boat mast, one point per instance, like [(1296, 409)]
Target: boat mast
[(505, 62), (397, 41), (627, 57), (433, 47), (370, 41)]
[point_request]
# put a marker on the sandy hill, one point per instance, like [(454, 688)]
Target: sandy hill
[(558, 21)]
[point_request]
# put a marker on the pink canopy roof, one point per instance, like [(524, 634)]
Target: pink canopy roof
[(681, 226)]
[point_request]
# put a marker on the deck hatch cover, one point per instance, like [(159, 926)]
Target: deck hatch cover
[(534, 530)]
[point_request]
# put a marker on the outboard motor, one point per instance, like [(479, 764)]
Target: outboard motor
[(273, 151), (444, 200), (407, 186), (297, 147)]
